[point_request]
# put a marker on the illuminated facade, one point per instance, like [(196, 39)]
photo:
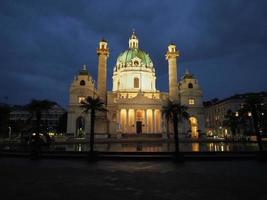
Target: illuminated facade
[(134, 104)]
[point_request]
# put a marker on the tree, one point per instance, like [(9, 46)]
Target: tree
[(176, 112), (231, 120), (62, 123), (255, 107), (4, 119), (92, 105), (36, 108)]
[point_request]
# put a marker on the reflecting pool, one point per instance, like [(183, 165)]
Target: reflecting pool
[(148, 147)]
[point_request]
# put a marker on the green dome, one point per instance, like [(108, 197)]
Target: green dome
[(129, 54)]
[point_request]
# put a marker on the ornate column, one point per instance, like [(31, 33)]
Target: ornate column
[(103, 54), (171, 56)]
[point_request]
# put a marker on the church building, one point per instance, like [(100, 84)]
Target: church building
[(135, 104)]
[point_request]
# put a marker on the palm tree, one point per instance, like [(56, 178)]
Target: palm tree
[(255, 106), (176, 112), (91, 104), (231, 120)]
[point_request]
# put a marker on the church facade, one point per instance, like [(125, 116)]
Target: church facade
[(134, 104)]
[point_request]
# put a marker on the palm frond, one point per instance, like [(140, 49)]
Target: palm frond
[(91, 103)]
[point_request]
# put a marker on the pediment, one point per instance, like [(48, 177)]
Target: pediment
[(140, 99)]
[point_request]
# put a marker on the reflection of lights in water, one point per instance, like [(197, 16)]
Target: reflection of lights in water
[(78, 147), (210, 146), (195, 146), (162, 147), (139, 147)]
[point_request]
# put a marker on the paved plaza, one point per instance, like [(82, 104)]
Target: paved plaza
[(79, 179)]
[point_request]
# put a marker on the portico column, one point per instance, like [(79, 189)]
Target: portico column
[(118, 120), (160, 121), (153, 121), (145, 121), (163, 124), (134, 122), (127, 126)]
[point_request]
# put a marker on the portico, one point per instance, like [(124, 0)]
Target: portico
[(139, 120)]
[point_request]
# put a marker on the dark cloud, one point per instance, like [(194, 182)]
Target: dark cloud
[(44, 43)]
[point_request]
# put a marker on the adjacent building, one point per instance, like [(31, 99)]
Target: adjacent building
[(216, 110), (20, 116)]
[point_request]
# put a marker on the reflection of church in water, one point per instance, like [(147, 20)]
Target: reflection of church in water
[(134, 104)]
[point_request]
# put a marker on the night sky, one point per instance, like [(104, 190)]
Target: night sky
[(44, 43)]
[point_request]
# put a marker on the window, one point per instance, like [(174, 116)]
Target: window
[(190, 85), (191, 101), (82, 82), (81, 99), (136, 63), (136, 82)]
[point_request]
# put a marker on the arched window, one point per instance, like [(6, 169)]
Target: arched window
[(190, 85), (136, 82), (82, 82)]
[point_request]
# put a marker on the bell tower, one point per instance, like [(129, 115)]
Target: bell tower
[(103, 53), (171, 56)]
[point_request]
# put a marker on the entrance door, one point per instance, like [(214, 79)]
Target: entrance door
[(138, 127)]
